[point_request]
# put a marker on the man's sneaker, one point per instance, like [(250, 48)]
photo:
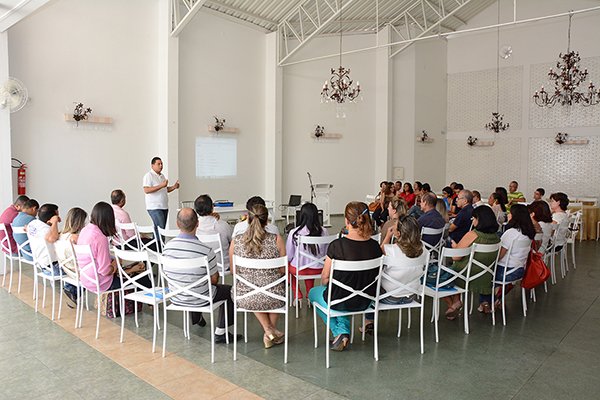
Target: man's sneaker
[(198, 321), (71, 299), (221, 338)]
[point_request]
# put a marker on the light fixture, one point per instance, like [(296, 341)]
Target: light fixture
[(219, 124), (340, 88), (566, 80), (424, 137), (471, 141), (561, 137), (497, 125)]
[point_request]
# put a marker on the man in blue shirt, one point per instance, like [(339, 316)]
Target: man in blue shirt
[(27, 214), (462, 223), (430, 218)]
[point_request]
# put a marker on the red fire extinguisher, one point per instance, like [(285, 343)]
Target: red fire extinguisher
[(21, 177)]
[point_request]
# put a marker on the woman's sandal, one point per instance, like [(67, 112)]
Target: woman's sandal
[(484, 308), (340, 343), (269, 340), (454, 311), (279, 337), (369, 328)]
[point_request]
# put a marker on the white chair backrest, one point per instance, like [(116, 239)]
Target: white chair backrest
[(126, 258), (20, 230), (258, 264), (355, 266), (87, 268), (147, 230), (435, 248), (516, 246), (303, 253), (176, 268), (65, 247), (411, 287), (5, 244), (376, 237), (444, 265), (370, 198), (134, 242), (214, 242), (485, 268), (165, 234)]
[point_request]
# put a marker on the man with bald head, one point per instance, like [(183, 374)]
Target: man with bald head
[(462, 222), (186, 245)]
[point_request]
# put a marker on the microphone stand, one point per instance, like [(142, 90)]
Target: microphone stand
[(312, 187)]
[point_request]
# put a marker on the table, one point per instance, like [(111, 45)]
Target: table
[(235, 212), (590, 218)]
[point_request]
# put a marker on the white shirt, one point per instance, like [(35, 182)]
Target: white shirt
[(403, 270), (209, 225), (36, 232), (546, 235), (562, 219), (158, 200), (518, 257), (241, 227)]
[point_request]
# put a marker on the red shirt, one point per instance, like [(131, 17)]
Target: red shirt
[(7, 218), (409, 198)]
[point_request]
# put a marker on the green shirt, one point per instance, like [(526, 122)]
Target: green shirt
[(512, 196)]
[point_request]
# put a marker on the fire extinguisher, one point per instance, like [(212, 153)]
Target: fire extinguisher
[(21, 176)]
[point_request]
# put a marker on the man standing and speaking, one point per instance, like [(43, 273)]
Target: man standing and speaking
[(156, 188)]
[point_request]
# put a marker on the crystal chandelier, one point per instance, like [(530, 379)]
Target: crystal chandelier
[(497, 125), (566, 80), (340, 88)]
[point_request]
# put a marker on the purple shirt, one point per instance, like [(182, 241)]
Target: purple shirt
[(93, 236), (7, 218), (290, 248)]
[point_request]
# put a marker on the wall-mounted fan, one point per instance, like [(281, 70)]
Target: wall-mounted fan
[(505, 52), (13, 94)]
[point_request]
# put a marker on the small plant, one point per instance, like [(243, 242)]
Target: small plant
[(219, 124), (319, 131), (81, 113), (561, 137), (424, 137), (471, 141)]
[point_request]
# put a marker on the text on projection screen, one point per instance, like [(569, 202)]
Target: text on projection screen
[(216, 157)]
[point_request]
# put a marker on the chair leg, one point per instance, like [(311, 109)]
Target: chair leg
[(234, 332), (285, 338), (245, 327), (408, 311), (122, 311), (436, 306), (164, 349), (315, 326), (11, 276), (375, 336), (503, 306), (60, 296), (351, 332), (99, 299), (36, 291), (212, 336), (19, 284), (421, 327), (44, 294), (155, 326), (327, 339), (53, 287), (399, 322), (524, 300)]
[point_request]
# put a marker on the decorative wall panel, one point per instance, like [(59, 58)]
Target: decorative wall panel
[(472, 98), (573, 169), (562, 116), (483, 168)]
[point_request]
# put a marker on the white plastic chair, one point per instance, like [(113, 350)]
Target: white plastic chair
[(516, 245), (165, 235), (259, 264), (349, 266), (559, 247), (575, 226), (440, 289), (376, 237), (70, 276), (21, 251), (141, 294), (133, 243), (90, 272), (43, 272), (148, 230), (8, 256), (312, 261), (436, 249), (414, 287), (214, 242), (171, 270)]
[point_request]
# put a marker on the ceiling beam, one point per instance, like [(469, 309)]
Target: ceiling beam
[(191, 12), (21, 10), (261, 21)]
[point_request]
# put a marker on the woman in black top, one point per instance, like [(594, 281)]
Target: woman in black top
[(357, 245)]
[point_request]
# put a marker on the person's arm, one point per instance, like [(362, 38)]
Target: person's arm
[(106, 266), (290, 247), (452, 227), (281, 248), (231, 266), (152, 189), (326, 271), (174, 187), (388, 238), (503, 251), (53, 234), (465, 242)]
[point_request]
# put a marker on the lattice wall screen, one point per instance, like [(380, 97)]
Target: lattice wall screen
[(483, 168), (472, 98), (561, 116), (572, 169)]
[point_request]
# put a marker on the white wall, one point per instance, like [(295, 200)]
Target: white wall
[(347, 163), (221, 72), (532, 44), (87, 51)]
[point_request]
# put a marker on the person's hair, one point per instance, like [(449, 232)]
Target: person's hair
[(75, 220), (400, 182), (256, 233), (430, 199), (117, 196), (20, 201), (459, 186), (503, 194), (154, 160), (410, 188), (541, 191), (47, 211), (382, 183), (426, 187), (254, 200), (468, 195), (452, 185), (440, 206), (103, 216), (476, 194), (409, 236), (448, 190), (31, 203), (520, 219), (498, 197), (399, 204), (309, 219), (187, 219), (203, 205), (357, 214), (486, 220), (515, 182), (562, 199), (541, 211), (418, 185)]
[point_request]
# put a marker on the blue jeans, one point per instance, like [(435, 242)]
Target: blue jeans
[(338, 325), (391, 300), (159, 219), (518, 274)]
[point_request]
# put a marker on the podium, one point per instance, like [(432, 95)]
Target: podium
[(322, 192)]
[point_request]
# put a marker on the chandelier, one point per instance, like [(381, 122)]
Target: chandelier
[(566, 80), (340, 87), (497, 125)]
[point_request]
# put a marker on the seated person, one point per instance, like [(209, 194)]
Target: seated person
[(397, 188), (396, 209), (514, 196), (241, 227), (454, 207), (538, 195), (186, 245), (118, 200), (447, 196), (7, 218), (209, 223), (416, 210), (74, 223), (380, 215), (45, 228), (497, 205), (27, 214), (462, 223), (558, 205), (408, 194), (430, 218), (477, 199), (440, 206)]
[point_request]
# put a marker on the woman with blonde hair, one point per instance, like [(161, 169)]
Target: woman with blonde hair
[(257, 243), (357, 245), (74, 223), (397, 208)]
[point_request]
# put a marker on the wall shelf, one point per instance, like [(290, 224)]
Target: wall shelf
[(575, 141), (427, 140), (211, 128), (90, 120), (327, 136), (482, 143)]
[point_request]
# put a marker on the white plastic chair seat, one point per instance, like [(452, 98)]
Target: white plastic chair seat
[(146, 297)]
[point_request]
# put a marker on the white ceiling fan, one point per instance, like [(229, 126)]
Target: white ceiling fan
[(13, 94)]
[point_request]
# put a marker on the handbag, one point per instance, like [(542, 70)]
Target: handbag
[(536, 271), (107, 306), (374, 205)]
